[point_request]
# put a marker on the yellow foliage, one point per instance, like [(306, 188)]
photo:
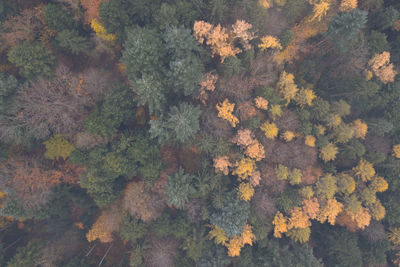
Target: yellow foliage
[(305, 97), (101, 32), (287, 87), (310, 140), (364, 170), (270, 130), (225, 110), (368, 75), (218, 234), (330, 211), (347, 5), (321, 129), (328, 152), (222, 164), (58, 147), (269, 42), (295, 177), (307, 192), (275, 110), (108, 222), (298, 219), (244, 168), (333, 120), (346, 183), (288, 136), (261, 103), (301, 235), (280, 223), (379, 184), (245, 191), (381, 66), (396, 151), (311, 207), (360, 128), (320, 9), (234, 246), (255, 151)]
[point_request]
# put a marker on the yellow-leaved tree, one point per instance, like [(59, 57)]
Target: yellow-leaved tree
[(309, 140), (287, 87), (320, 9), (298, 219), (245, 191), (270, 130), (360, 128), (101, 32), (311, 207), (280, 223), (218, 234), (328, 152), (225, 110), (58, 147), (329, 211), (244, 168), (364, 170), (269, 42), (396, 151), (305, 97), (347, 5)]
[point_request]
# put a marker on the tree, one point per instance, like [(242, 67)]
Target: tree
[(298, 219), (346, 5), (326, 186), (343, 133), (270, 130), (301, 235), (287, 87), (58, 147), (27, 256), (261, 103), (72, 41), (105, 224), (232, 215), (328, 152), (150, 90), (329, 211), (245, 191), (218, 234), (181, 124), (360, 129), (101, 32), (364, 170), (117, 108), (34, 59), (222, 164), (382, 68), (143, 53), (311, 207), (344, 27), (244, 168), (178, 188), (242, 31), (225, 110), (396, 151), (345, 183), (305, 97), (57, 18), (269, 41), (92, 9), (280, 223), (8, 88), (320, 9)]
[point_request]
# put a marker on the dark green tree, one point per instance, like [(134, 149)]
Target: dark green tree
[(384, 19), (132, 228), (72, 41), (58, 18), (33, 59), (377, 42), (178, 189), (232, 216), (117, 108), (8, 87), (151, 90), (343, 29)]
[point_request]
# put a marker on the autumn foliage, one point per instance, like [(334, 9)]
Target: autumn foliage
[(382, 68)]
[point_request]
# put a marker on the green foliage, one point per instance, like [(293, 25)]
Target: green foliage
[(177, 226), (8, 87), (132, 229), (344, 27), (72, 41), (232, 216), (377, 42), (286, 37), (213, 256), (179, 12), (185, 68), (340, 248), (288, 199), (379, 126), (33, 59), (77, 262), (143, 52), (384, 19), (26, 256), (268, 93), (294, 10), (58, 18), (181, 124), (230, 67), (117, 108), (195, 243), (320, 109), (178, 189), (150, 90), (343, 133), (341, 108)]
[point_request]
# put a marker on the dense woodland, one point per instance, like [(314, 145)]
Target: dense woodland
[(204, 133)]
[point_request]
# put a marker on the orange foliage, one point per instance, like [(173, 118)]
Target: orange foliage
[(347, 5), (255, 151), (280, 223), (243, 138), (107, 223), (379, 184), (207, 84), (354, 220), (298, 219), (311, 174), (261, 103), (92, 9), (247, 235), (311, 207), (222, 164), (255, 178), (329, 211), (234, 246), (241, 30)]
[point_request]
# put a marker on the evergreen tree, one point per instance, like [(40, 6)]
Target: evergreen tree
[(72, 41), (178, 189)]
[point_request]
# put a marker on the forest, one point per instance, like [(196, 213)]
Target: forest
[(204, 133)]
